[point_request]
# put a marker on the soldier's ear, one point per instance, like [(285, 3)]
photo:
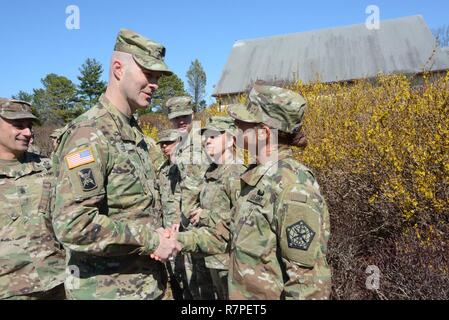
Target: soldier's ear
[(118, 69)]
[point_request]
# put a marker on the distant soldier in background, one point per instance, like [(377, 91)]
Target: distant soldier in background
[(169, 179), (170, 194), (219, 192), (32, 263), (192, 162)]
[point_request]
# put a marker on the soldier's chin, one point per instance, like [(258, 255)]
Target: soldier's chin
[(23, 146), (210, 151), (143, 103)]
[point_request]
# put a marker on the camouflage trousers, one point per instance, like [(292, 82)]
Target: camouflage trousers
[(57, 293), (220, 283), (194, 278)]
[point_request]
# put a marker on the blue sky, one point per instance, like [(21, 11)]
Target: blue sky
[(35, 40)]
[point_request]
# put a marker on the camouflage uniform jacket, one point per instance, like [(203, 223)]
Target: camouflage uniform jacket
[(217, 197), (169, 178), (107, 207), (30, 259), (192, 163), (277, 235)]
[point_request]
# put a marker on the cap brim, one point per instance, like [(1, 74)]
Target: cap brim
[(210, 129), (17, 116), (162, 141), (152, 64), (179, 114), (240, 112)]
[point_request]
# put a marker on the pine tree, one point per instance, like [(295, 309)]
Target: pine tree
[(196, 78), (56, 101), (90, 87)]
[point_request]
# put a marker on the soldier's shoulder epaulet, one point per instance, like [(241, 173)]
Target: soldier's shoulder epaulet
[(234, 169), (295, 171), (92, 118), (89, 118), (306, 170), (295, 165), (288, 163)]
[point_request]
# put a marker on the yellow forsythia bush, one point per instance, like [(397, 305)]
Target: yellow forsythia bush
[(150, 131), (395, 128)]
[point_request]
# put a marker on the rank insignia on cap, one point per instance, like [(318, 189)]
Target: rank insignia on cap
[(79, 158), (87, 179), (300, 236)]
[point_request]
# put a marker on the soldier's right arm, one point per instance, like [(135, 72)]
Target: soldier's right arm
[(83, 164)]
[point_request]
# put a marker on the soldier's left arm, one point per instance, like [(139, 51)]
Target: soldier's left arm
[(208, 240), (303, 232)]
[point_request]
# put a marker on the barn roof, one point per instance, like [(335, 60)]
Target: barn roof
[(401, 45)]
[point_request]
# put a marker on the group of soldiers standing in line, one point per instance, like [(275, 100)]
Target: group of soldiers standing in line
[(116, 215)]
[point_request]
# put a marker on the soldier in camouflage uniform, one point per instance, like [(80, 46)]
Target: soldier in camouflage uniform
[(107, 211), (188, 155), (192, 163), (278, 232), (31, 261), (218, 194), (169, 178)]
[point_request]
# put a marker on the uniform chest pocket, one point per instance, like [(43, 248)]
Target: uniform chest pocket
[(208, 196), (13, 232), (254, 232), (128, 175), (252, 237), (11, 200)]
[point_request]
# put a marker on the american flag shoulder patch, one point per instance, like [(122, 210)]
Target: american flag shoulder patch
[(79, 158)]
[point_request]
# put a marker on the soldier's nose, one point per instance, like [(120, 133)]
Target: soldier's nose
[(26, 132)]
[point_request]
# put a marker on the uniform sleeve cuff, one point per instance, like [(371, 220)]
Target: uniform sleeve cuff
[(186, 240), (152, 243)]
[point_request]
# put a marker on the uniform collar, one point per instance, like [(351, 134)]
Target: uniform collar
[(16, 169), (126, 125), (255, 172), (214, 171), (186, 141)]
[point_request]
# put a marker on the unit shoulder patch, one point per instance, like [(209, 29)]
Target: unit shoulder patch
[(300, 235), (87, 179)]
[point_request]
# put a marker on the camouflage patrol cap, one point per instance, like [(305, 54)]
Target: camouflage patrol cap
[(15, 109), (179, 106), (220, 124), (169, 135), (276, 107), (147, 53)]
